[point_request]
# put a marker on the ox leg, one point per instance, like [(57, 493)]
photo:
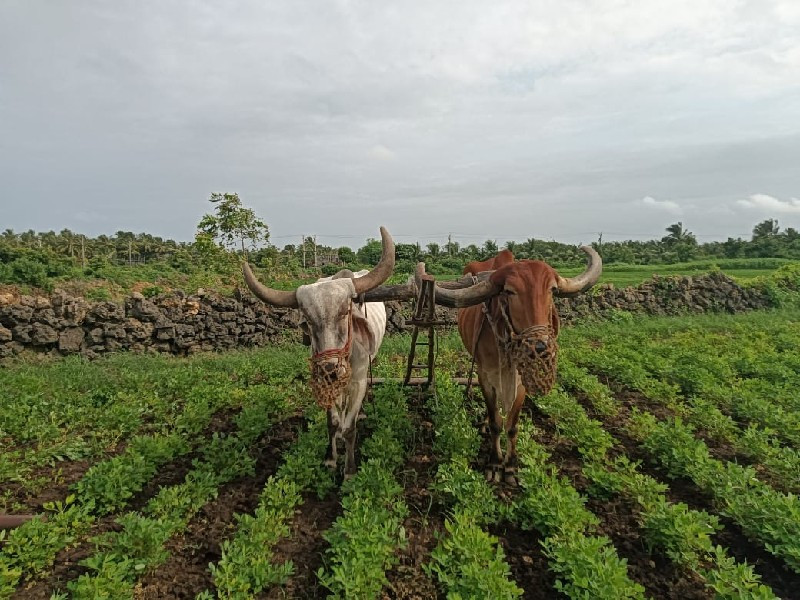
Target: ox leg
[(331, 455), (510, 463), (494, 466), (350, 452), (484, 426)]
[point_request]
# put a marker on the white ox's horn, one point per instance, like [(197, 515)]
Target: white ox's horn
[(379, 274), (267, 294), (382, 271), (572, 286)]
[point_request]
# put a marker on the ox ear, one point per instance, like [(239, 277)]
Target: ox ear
[(306, 333), (365, 334), (555, 322)]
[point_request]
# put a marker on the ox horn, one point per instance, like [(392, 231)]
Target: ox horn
[(572, 286), (459, 298), (382, 270), (267, 294)]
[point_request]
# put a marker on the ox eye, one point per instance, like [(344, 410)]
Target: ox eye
[(510, 292)]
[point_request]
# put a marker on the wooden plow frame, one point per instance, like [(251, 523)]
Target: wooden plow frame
[(422, 287)]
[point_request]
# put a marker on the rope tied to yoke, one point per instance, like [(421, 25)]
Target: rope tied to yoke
[(328, 384)]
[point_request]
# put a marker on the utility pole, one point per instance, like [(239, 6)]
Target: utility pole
[(83, 251), (130, 252), (315, 251), (303, 244)]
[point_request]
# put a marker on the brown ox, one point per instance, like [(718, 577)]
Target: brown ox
[(509, 323)]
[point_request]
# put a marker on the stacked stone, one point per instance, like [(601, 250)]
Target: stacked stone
[(178, 324)]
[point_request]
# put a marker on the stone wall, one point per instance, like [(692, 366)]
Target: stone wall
[(180, 324)]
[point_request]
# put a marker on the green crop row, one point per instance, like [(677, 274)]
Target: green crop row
[(761, 512), (104, 489), (683, 534), (247, 565), (74, 409), (123, 556), (364, 539), (755, 443), (468, 562), (586, 565)]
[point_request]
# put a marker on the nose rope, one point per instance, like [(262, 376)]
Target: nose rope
[(326, 384), (537, 369)]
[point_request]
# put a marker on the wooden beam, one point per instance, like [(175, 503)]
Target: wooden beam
[(419, 380), (12, 521)]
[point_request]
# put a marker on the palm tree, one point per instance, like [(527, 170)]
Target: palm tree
[(766, 229), (677, 234)]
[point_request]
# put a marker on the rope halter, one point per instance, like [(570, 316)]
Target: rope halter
[(328, 384), (537, 369)]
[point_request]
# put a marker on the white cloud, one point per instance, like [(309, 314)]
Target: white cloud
[(380, 152), (665, 205), (766, 203)]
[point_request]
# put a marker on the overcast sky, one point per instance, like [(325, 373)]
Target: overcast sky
[(501, 120)]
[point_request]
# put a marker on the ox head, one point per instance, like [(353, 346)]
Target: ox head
[(526, 289), (537, 278), (326, 308)]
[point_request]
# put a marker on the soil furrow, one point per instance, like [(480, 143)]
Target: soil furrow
[(407, 579), (305, 546), (528, 564), (66, 566), (771, 569), (660, 577), (186, 573)]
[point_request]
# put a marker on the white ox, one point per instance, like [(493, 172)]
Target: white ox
[(345, 336)]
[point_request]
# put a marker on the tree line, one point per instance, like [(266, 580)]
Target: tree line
[(34, 258)]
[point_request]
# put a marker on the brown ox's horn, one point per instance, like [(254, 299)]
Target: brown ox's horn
[(382, 270), (267, 294), (572, 286), (460, 298)]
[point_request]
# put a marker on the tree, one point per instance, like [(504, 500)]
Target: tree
[(409, 252), (489, 249), (346, 255), (677, 235), (733, 248), (232, 224), (433, 249), (370, 253), (765, 229)]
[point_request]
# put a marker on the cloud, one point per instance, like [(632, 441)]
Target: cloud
[(665, 205), (766, 203), (531, 112), (381, 153)]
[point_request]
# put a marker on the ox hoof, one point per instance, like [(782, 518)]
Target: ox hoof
[(510, 477), (329, 463), (348, 476), (494, 473)]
